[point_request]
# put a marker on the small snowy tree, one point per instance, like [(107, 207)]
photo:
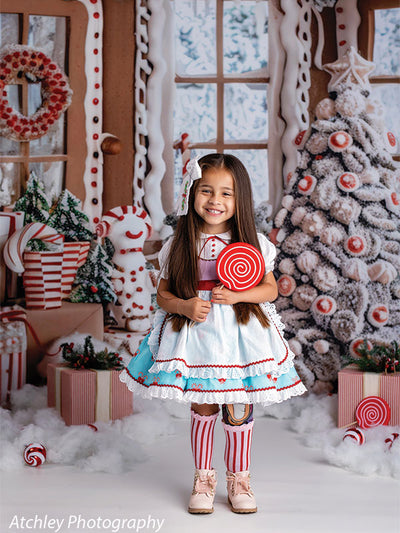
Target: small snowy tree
[(69, 220), (93, 279), (339, 259)]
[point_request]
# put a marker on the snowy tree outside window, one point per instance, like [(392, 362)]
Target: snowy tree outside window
[(221, 83), (386, 56)]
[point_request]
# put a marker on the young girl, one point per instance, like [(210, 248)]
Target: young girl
[(209, 345)]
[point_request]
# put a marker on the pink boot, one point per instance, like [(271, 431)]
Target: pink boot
[(240, 495), (202, 498)]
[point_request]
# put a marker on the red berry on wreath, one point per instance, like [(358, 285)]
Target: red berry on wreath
[(94, 289)]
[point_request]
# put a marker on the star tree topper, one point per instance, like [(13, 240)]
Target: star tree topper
[(351, 68)]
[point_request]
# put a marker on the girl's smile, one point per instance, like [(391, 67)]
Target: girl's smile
[(215, 200)]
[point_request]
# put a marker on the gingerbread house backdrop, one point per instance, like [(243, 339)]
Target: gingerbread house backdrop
[(108, 99)]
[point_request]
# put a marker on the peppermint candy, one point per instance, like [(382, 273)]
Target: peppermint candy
[(324, 305), (355, 245), (240, 266), (390, 142), (286, 285), (348, 182), (356, 344), (378, 315), (306, 185), (35, 454), (339, 141)]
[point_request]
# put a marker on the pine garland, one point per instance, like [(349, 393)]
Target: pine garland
[(378, 359), (86, 357)]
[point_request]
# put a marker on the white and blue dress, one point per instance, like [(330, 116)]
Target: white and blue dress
[(217, 361)]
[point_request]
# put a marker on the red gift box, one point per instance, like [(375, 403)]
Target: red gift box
[(355, 385), (87, 396), (12, 352)]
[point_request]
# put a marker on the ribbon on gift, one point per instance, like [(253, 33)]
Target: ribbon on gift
[(103, 390)]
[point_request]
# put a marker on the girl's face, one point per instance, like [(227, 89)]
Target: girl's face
[(214, 200)]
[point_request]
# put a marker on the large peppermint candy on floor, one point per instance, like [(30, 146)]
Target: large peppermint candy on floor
[(339, 141), (307, 184), (240, 266), (354, 435), (324, 305), (35, 454), (348, 182), (372, 411), (378, 315)]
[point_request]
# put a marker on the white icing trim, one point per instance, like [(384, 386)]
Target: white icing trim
[(93, 105), (347, 15)]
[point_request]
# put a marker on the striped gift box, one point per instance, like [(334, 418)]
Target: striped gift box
[(74, 256), (12, 358), (42, 279), (355, 385), (87, 396)]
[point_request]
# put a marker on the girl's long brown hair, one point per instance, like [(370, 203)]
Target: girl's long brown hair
[(182, 264)]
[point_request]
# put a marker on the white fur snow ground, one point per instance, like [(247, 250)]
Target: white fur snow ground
[(136, 474)]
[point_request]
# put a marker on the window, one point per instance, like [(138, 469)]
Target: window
[(381, 25), (221, 82), (56, 160)]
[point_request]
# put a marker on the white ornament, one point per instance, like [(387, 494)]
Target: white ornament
[(355, 269), (286, 266), (325, 109), (280, 217), (382, 271), (331, 235), (297, 216), (287, 201), (295, 346), (325, 279), (307, 261), (313, 223), (321, 346)]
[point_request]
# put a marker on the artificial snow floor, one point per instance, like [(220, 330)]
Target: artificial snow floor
[(297, 491)]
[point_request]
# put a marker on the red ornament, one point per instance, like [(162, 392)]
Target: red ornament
[(373, 411), (355, 245), (94, 289), (240, 266)]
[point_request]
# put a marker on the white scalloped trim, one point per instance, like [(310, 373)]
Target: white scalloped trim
[(265, 398)]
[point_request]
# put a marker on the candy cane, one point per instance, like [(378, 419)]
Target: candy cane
[(15, 246)]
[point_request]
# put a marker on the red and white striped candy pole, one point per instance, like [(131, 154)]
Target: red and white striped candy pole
[(183, 146)]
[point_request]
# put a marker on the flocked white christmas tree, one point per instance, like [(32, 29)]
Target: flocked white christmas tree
[(69, 219), (339, 230)]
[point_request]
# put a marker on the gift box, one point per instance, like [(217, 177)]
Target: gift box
[(9, 223), (122, 339), (87, 396), (355, 385), (12, 352), (51, 324)]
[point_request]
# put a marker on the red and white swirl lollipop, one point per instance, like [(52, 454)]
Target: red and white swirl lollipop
[(372, 411), (35, 454), (240, 266), (355, 435), (339, 141)]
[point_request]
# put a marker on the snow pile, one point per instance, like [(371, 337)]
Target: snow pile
[(314, 419), (115, 447)]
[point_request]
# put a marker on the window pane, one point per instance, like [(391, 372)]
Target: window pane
[(9, 183), (195, 111), (256, 163), (389, 95), (245, 111), (9, 29), (387, 41), (49, 35), (14, 97), (195, 32), (51, 175), (245, 36), (53, 141)]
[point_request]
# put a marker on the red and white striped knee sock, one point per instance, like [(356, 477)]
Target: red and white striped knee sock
[(238, 446), (202, 438)]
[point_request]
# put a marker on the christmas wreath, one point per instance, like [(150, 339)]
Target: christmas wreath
[(17, 61)]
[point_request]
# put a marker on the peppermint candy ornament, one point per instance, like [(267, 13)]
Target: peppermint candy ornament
[(355, 245), (286, 285), (392, 202), (378, 315), (348, 182), (372, 411), (354, 435), (339, 141), (240, 266), (356, 344), (324, 305), (306, 185), (390, 142), (35, 454)]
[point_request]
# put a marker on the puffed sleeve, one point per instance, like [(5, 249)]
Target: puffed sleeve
[(268, 251), (163, 255)]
